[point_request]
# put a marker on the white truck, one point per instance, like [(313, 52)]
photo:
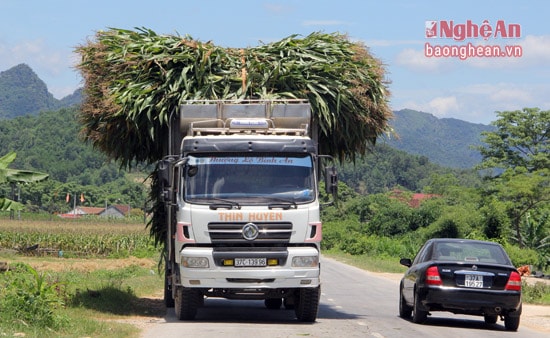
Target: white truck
[(239, 183)]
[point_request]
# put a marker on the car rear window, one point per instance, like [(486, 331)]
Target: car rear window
[(470, 252)]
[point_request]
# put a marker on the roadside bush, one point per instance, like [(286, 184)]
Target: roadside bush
[(30, 299), (521, 256), (538, 293)]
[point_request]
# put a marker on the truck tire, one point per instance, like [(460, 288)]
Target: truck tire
[(307, 304), (187, 302)]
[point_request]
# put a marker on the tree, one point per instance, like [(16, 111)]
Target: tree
[(520, 149), (523, 193), (521, 140), (13, 177)]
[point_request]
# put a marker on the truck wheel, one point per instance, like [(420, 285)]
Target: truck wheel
[(273, 303), (307, 304), (186, 303)]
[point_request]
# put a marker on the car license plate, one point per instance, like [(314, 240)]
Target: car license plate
[(250, 261), (473, 281)]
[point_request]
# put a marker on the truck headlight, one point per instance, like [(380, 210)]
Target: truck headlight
[(305, 261), (195, 262)]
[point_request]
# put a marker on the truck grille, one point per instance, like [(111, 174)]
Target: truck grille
[(232, 233)]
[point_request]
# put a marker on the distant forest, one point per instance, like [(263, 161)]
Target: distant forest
[(49, 142)]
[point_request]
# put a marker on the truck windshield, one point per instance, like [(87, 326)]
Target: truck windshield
[(249, 178)]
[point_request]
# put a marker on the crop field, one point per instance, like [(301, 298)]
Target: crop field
[(76, 238), (77, 277)]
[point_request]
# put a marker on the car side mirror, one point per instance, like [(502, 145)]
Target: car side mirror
[(406, 262)]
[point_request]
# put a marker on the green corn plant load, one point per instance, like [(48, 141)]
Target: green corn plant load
[(134, 80)]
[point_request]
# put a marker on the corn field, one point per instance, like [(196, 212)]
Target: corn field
[(75, 239)]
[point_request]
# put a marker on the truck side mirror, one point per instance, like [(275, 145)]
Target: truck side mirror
[(163, 173), (331, 181)]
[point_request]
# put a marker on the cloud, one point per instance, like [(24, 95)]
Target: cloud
[(35, 54), (443, 106), (415, 60)]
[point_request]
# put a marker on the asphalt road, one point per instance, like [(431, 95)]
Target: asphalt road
[(354, 303)]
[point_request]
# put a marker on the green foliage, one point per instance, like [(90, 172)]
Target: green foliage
[(521, 256), (348, 240), (385, 168), (13, 177), (30, 297), (523, 193), (521, 140), (50, 143), (495, 220), (539, 293)]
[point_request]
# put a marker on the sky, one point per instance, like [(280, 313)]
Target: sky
[(449, 70)]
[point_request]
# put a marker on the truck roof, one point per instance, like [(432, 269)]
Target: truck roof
[(229, 117)]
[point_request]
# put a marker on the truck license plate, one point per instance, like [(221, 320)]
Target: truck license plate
[(250, 261), (473, 281)]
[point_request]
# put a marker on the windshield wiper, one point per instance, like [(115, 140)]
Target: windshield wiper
[(282, 204), (224, 204)]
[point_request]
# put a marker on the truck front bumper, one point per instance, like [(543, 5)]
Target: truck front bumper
[(289, 273)]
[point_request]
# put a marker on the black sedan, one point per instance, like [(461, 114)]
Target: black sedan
[(463, 277)]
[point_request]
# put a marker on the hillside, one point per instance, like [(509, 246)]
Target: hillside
[(23, 93), (446, 141)]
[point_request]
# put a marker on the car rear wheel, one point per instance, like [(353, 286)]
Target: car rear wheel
[(419, 315), (490, 319), (511, 323), (405, 311)]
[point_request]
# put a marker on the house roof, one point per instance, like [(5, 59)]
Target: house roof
[(123, 208), (91, 210)]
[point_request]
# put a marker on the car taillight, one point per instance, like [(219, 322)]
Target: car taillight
[(514, 282), (432, 276)]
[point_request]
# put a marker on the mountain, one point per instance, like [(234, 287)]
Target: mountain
[(447, 141), (22, 93)]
